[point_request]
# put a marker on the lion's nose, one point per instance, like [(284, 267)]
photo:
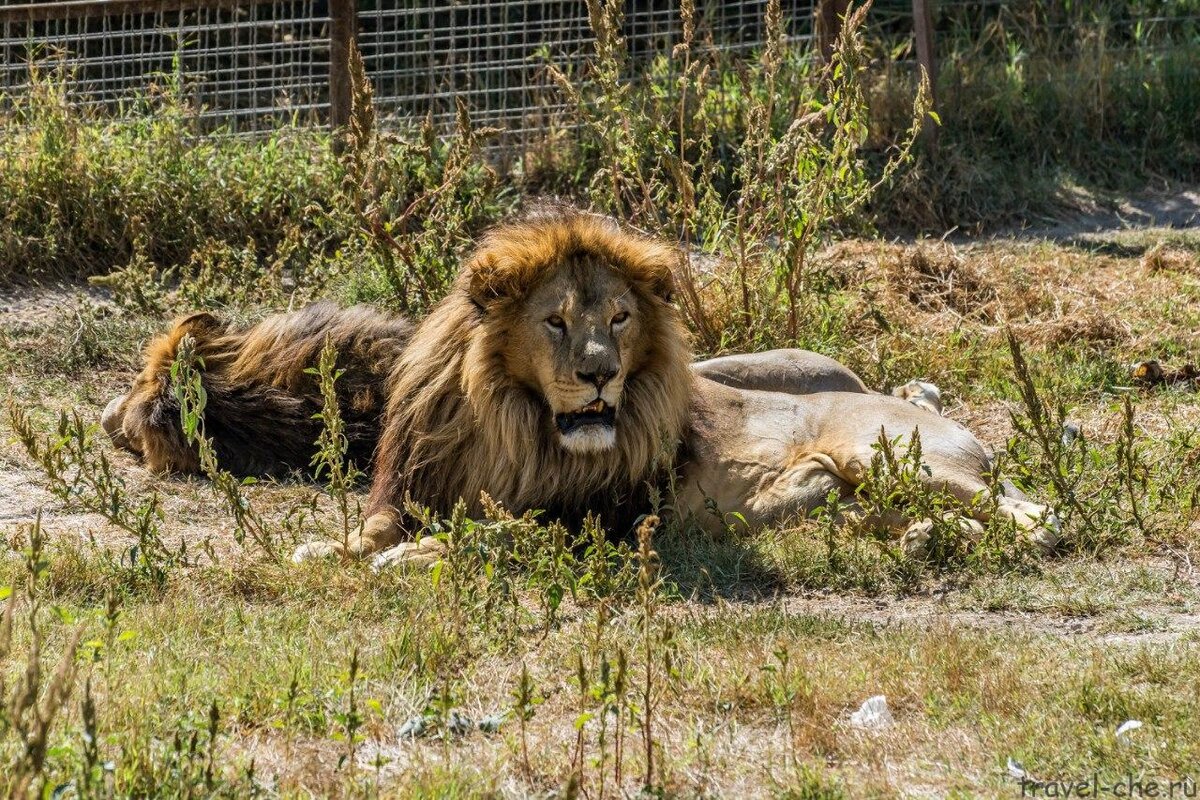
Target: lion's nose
[(598, 378)]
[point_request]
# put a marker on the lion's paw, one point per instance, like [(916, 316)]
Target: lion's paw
[(915, 540), (970, 528), (1048, 532), (420, 554), (1039, 522), (921, 394), (311, 551)]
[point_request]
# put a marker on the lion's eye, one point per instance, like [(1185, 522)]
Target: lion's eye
[(620, 318), (556, 322)]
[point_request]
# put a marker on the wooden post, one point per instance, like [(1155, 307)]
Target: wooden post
[(923, 34), (78, 9), (343, 28), (830, 15)]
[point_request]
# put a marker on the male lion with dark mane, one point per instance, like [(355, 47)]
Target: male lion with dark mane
[(261, 403), (555, 375)]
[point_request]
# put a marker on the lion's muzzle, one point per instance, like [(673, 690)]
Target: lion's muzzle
[(590, 428), (112, 421)]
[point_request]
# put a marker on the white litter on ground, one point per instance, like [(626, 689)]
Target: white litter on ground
[(874, 714), (1127, 727)]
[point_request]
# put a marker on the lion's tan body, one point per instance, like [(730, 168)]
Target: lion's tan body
[(770, 456), (555, 376)]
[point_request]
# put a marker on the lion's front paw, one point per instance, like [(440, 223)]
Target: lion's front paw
[(310, 551), (420, 554), (915, 540)]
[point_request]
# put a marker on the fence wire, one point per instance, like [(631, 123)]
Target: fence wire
[(422, 55), (241, 65), (246, 65)]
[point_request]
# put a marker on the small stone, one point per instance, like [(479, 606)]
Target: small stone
[(492, 722), (413, 728)]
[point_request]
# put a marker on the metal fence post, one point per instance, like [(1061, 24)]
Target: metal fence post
[(923, 34), (343, 15)]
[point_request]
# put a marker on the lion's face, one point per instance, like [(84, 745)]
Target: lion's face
[(554, 376), (140, 420), (135, 422), (577, 338)]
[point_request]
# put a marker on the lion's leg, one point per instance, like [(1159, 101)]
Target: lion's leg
[(794, 492), (921, 394), (420, 554), (380, 531), (113, 419), (913, 535), (1036, 521)]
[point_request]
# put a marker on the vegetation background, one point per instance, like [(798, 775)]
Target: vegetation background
[(156, 642)]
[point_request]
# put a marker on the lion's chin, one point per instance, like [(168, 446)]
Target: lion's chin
[(590, 439), (590, 429)]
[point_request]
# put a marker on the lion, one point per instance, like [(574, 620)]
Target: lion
[(555, 375), (260, 410), (794, 371), (261, 401)]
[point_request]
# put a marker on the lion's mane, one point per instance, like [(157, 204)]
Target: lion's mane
[(459, 424), (261, 400)]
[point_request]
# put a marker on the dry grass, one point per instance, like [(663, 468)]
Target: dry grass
[(1164, 258), (765, 667)]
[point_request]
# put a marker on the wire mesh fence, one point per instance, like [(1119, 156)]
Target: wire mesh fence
[(238, 64), (245, 65), (1002, 30), (422, 55)]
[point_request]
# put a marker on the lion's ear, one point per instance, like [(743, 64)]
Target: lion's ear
[(660, 270), (201, 325), (488, 281), (664, 285)]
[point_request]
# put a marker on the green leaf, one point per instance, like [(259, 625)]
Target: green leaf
[(554, 596)]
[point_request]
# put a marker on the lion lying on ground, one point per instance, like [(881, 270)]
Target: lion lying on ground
[(555, 375), (261, 404)]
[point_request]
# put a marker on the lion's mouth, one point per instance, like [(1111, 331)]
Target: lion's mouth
[(596, 412)]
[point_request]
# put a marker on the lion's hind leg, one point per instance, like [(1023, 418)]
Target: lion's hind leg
[(913, 535), (959, 475), (1037, 522)]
